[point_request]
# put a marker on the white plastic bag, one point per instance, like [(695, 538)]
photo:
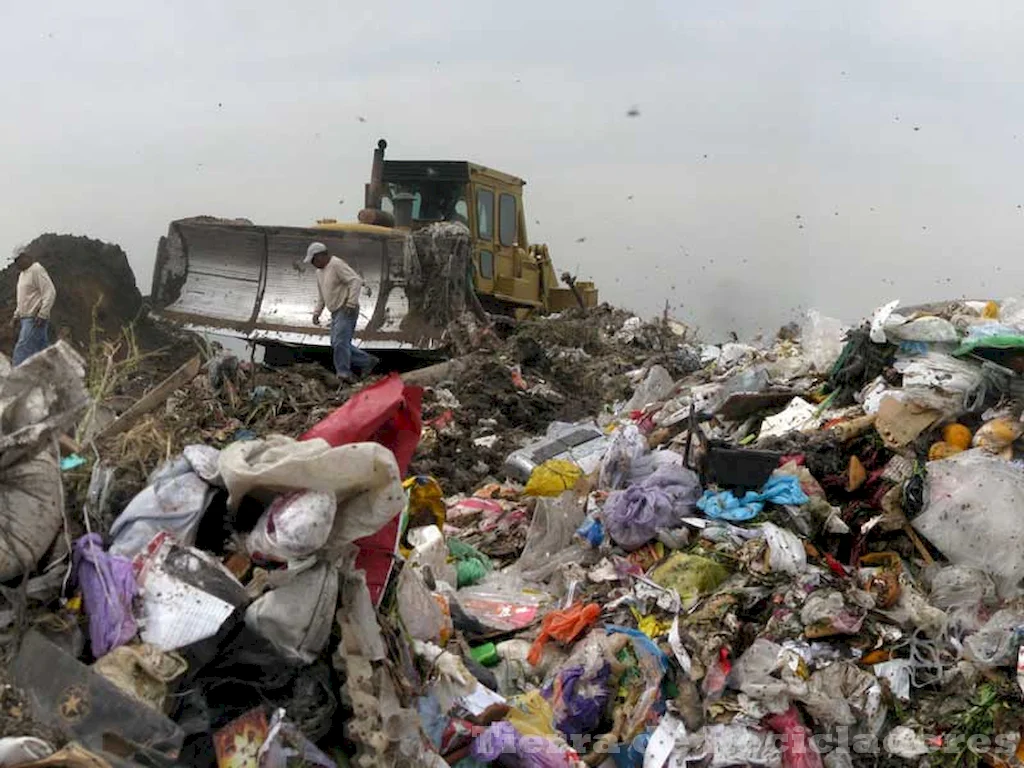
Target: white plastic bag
[(550, 535), (294, 526), (430, 550), (962, 592), (175, 501), (419, 609), (363, 476), (972, 515), (655, 387), (297, 616), (823, 340), (786, 552), (997, 642), (928, 329)]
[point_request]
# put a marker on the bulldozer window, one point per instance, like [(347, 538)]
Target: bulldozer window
[(432, 200), (485, 214), (487, 265), (507, 220)]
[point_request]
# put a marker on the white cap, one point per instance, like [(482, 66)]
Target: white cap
[(313, 250)]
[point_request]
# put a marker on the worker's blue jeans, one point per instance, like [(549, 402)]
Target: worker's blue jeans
[(343, 325), (32, 338)]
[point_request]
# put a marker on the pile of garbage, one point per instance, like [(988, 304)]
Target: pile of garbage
[(798, 553)]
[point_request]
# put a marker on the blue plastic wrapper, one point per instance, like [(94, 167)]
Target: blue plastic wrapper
[(633, 757), (592, 531)]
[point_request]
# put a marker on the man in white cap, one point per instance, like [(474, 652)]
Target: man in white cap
[(339, 286), (35, 297)]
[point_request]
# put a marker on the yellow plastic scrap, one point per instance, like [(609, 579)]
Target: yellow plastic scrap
[(991, 311), (690, 575), (531, 714), (426, 502), (553, 478), (651, 626)]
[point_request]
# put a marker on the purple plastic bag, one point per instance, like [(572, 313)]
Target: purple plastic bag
[(108, 588), (634, 516), (581, 701), (503, 745)]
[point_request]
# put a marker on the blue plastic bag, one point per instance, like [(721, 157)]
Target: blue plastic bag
[(780, 489)]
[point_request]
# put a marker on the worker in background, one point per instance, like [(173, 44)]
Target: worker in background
[(339, 287), (35, 296)]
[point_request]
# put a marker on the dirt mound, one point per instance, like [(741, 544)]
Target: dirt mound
[(93, 280), (97, 298)]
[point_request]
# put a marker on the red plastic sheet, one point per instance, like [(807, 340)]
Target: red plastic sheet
[(389, 413)]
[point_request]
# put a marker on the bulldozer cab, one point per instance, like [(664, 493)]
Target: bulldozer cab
[(507, 273)]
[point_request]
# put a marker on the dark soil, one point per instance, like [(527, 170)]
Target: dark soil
[(96, 299)]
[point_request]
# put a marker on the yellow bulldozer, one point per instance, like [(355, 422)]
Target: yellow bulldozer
[(435, 239)]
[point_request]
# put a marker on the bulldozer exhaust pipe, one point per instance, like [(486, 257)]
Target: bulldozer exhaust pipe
[(371, 213), (375, 189)]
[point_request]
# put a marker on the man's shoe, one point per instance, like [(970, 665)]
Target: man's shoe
[(371, 367)]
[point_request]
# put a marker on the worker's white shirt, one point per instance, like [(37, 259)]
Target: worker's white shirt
[(36, 293), (338, 285)]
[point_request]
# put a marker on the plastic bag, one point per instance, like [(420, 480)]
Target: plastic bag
[(822, 340), (786, 552), (174, 501), (286, 745), (108, 588), (798, 748), (548, 539), (388, 413), (422, 612), (844, 694), (553, 478), (692, 576), (972, 515), (564, 626), (753, 674), (502, 601), (634, 516), (431, 551), (962, 592), (656, 386), (502, 740), (735, 744), (293, 527), (780, 489), (578, 700), (930, 329), (996, 643), (363, 476), (628, 445), (297, 616)]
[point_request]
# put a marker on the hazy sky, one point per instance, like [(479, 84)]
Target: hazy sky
[(786, 155)]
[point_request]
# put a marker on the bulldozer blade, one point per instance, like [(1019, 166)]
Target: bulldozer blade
[(234, 278)]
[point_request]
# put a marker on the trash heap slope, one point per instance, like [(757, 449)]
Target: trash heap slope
[(592, 541)]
